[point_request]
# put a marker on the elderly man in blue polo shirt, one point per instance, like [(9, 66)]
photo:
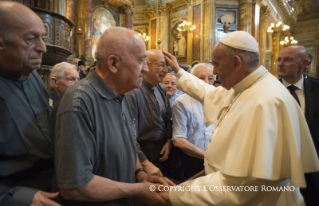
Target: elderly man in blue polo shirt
[(94, 133)]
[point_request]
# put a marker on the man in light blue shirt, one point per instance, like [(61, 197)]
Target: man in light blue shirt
[(189, 132)]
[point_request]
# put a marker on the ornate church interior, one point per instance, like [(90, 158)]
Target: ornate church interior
[(189, 29)]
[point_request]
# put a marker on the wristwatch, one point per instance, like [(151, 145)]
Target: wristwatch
[(140, 169)]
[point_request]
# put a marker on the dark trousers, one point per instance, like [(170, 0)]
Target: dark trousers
[(191, 166), (152, 152), (311, 193)]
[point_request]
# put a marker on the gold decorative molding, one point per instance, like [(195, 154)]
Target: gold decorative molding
[(291, 17), (158, 10), (119, 3), (165, 9)]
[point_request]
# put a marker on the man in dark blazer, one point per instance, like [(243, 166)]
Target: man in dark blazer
[(292, 62)]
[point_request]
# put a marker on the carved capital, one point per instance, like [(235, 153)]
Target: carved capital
[(154, 11), (165, 9), (264, 12)]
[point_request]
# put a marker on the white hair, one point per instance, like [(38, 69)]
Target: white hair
[(58, 70), (172, 74), (207, 65)]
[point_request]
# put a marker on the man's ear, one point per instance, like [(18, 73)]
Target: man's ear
[(113, 61), (54, 82), (237, 63)]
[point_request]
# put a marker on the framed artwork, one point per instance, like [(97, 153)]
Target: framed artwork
[(102, 20)]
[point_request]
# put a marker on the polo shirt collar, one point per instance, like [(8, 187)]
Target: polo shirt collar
[(100, 86)]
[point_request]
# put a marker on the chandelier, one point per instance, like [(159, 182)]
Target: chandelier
[(185, 26), (288, 41), (144, 37), (283, 29), (279, 26)]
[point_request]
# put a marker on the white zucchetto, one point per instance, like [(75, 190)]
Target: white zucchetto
[(240, 40)]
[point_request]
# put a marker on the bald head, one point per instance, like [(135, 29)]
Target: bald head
[(120, 56), (157, 67), (291, 63), (21, 38), (154, 55), (116, 41), (12, 15)]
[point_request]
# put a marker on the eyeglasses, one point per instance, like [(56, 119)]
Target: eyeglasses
[(285, 60), (160, 65)]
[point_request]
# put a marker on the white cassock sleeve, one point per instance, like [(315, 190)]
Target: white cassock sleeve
[(212, 192)]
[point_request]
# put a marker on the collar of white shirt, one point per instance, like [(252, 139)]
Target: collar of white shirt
[(298, 84)]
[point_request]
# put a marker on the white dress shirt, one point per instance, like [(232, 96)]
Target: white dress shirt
[(189, 121)]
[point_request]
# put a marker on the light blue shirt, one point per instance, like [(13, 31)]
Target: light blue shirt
[(177, 94), (189, 123)]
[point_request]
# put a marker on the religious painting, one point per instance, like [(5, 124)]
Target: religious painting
[(102, 20)]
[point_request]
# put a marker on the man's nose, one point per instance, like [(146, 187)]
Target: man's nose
[(145, 68), (41, 47)]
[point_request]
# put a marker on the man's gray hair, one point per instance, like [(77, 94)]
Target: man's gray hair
[(251, 58), (172, 74), (58, 70), (207, 65)]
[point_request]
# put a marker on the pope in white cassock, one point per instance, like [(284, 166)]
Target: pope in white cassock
[(261, 139)]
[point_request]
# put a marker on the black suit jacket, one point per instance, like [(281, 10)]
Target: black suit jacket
[(311, 87), (311, 91)]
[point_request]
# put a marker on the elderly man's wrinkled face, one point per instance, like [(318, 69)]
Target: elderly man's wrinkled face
[(169, 84), (205, 74), (70, 77), (223, 67), (157, 68), (133, 65), (24, 45), (290, 66)]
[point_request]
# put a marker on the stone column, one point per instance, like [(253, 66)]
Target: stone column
[(264, 13), (246, 16), (164, 27), (88, 29), (128, 16), (275, 52), (209, 28), (70, 15), (158, 26)]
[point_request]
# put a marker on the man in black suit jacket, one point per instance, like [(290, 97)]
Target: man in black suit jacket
[(291, 64)]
